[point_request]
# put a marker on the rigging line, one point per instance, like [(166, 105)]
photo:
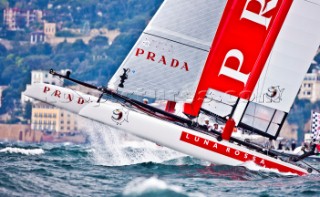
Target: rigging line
[(310, 166), (176, 42), (312, 2), (267, 68), (254, 119)]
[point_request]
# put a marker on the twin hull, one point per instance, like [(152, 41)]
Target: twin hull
[(162, 132)]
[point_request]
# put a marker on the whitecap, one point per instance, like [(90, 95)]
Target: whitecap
[(37, 151), (140, 186), (150, 186)]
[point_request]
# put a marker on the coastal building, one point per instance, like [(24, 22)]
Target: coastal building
[(42, 76), (49, 29), (49, 32), (19, 132), (48, 118), (310, 87), (16, 19), (37, 37)]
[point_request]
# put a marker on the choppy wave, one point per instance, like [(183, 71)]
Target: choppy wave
[(37, 151), (148, 186), (155, 187), (113, 164), (71, 170)]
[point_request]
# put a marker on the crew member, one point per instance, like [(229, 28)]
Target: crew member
[(314, 150), (216, 127), (269, 144), (280, 145), (207, 124), (145, 101), (293, 144)]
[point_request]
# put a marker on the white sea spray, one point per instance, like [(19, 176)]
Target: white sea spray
[(37, 151)]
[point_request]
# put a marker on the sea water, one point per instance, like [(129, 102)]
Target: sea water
[(115, 164)]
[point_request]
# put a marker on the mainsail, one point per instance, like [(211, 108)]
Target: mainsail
[(168, 58), (260, 51)]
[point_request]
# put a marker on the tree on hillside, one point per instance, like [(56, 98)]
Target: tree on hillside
[(79, 45), (317, 58), (8, 100), (3, 4), (16, 64), (27, 111), (3, 50), (63, 47), (137, 23), (38, 62), (41, 49), (1, 71), (12, 3), (99, 41), (8, 73), (40, 4)]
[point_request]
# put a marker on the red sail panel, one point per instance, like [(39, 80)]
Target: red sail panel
[(244, 39)]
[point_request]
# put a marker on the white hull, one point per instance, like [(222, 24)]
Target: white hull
[(185, 140)]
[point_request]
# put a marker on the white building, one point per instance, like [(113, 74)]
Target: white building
[(49, 118), (310, 87), (37, 37), (15, 18), (41, 76)]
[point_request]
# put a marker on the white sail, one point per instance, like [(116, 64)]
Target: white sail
[(168, 58)]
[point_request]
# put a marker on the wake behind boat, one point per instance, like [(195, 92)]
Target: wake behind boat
[(223, 59)]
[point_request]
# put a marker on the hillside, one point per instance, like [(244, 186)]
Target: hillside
[(17, 61)]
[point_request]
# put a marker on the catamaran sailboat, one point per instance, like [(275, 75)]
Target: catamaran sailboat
[(240, 62)]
